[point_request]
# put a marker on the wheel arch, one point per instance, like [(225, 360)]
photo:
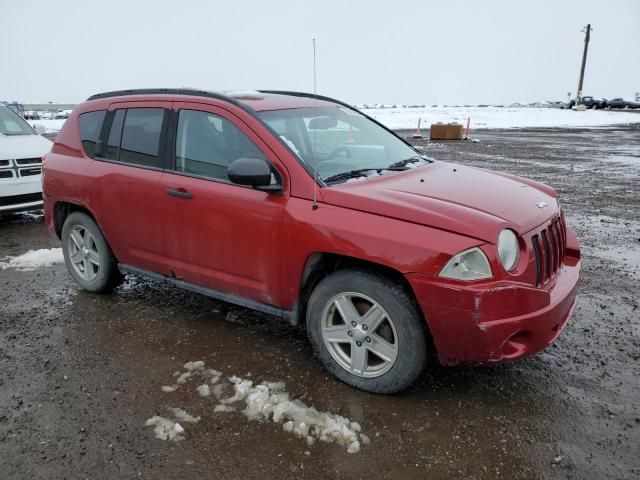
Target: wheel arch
[(320, 264), (62, 209)]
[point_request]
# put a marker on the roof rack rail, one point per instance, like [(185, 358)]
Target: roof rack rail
[(307, 95), (163, 91)]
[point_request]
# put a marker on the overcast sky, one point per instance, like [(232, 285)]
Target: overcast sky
[(368, 51)]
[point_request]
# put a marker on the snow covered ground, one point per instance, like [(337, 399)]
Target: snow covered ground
[(494, 117), (45, 257), (51, 126), (489, 117)]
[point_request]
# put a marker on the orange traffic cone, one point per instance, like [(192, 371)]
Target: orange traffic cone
[(418, 134)]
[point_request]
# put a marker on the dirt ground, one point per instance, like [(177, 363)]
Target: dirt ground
[(81, 373)]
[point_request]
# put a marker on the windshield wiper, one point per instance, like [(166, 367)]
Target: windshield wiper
[(407, 161), (359, 172)]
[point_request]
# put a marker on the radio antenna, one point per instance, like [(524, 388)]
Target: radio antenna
[(314, 206)]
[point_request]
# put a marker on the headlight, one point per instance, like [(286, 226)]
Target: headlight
[(508, 249), (471, 264)]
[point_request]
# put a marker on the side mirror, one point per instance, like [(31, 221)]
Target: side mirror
[(253, 172), (40, 129)]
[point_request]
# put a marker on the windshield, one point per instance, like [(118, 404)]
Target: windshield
[(337, 139), (12, 124)]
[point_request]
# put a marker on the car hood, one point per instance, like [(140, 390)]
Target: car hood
[(23, 146), (465, 200)]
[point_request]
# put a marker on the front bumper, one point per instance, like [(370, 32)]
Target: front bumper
[(494, 321), (20, 194)]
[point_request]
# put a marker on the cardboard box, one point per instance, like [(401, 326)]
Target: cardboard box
[(446, 131)]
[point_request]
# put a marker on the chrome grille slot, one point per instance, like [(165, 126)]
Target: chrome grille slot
[(6, 174), (549, 247), (546, 254), (554, 248), (28, 161), (28, 172), (4, 163), (538, 259)]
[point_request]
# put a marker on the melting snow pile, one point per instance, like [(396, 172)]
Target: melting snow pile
[(34, 259), (267, 401), (166, 429)]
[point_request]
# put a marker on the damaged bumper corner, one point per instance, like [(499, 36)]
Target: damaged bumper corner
[(495, 321)]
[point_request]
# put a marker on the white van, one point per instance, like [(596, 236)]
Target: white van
[(21, 151)]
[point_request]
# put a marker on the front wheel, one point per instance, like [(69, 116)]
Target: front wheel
[(88, 256), (367, 331)]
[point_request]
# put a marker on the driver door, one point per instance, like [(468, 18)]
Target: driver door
[(221, 236)]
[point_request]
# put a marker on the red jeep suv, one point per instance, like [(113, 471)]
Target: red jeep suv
[(303, 207)]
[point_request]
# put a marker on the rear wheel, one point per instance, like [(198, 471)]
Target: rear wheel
[(367, 331), (88, 256)]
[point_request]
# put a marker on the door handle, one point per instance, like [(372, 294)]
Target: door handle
[(179, 193)]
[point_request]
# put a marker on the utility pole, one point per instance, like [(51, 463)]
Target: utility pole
[(587, 36)]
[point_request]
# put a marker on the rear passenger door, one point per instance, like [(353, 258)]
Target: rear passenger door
[(128, 182), (222, 236)]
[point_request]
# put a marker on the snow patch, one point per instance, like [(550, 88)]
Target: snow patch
[(244, 94), (50, 125), (496, 117), (180, 414), (191, 366), (224, 408), (166, 429), (204, 390), (33, 259), (270, 401), (218, 390), (267, 401)]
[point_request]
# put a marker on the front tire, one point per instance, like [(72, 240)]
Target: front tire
[(367, 331), (88, 257)]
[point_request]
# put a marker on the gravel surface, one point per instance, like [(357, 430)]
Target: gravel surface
[(80, 374)]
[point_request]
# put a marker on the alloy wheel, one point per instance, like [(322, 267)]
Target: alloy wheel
[(83, 253), (359, 334)]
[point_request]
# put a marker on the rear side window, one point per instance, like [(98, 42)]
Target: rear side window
[(135, 136), (90, 127)]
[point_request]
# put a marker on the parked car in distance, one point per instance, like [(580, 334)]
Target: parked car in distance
[(21, 151), (594, 102), (590, 102), (622, 103), (305, 208), (31, 115)]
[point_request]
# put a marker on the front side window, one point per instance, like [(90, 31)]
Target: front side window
[(90, 126), (206, 144), (336, 140), (13, 124), (140, 137)]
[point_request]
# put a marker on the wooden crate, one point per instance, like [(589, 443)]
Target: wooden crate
[(446, 131)]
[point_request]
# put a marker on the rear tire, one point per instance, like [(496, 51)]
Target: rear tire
[(87, 254), (367, 331)]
